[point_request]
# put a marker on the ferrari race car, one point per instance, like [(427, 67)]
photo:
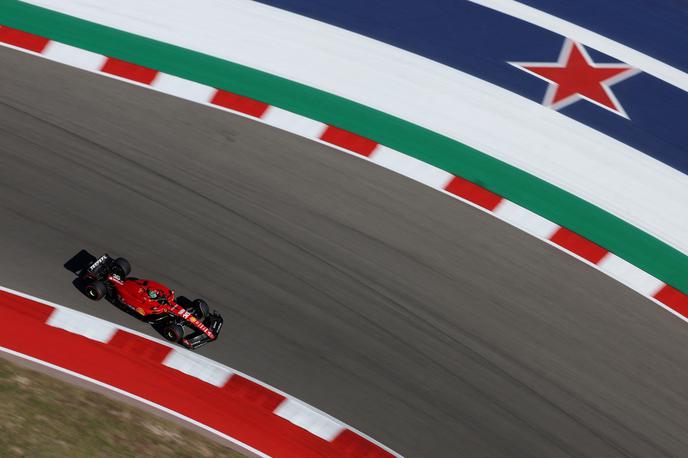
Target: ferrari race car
[(181, 320)]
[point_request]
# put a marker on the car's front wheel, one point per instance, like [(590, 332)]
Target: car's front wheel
[(95, 290), (173, 332), (200, 309)]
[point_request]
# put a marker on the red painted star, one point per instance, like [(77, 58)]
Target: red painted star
[(575, 76)]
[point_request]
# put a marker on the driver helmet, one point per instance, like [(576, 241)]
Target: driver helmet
[(153, 294)]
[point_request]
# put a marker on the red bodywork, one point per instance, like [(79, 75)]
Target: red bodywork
[(134, 294)]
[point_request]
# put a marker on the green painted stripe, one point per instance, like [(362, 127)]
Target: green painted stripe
[(563, 208)]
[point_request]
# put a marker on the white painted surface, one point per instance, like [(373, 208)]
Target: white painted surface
[(82, 324), (312, 421), (195, 366), (525, 220), (646, 63), (75, 57), (630, 275), (292, 122), (411, 167), (568, 154), (185, 89)]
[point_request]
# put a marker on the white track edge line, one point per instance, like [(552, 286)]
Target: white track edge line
[(136, 398), (368, 159), (207, 361)]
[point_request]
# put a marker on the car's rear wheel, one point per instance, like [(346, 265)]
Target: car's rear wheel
[(95, 290), (200, 309), (121, 268), (173, 332)]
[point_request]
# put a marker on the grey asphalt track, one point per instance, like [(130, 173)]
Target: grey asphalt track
[(419, 320)]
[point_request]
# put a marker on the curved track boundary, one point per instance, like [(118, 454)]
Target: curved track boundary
[(641, 248), (663, 294), (254, 416)]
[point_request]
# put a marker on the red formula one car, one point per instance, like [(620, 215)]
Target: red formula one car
[(147, 300)]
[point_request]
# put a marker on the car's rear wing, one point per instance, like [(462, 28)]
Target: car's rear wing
[(84, 264), (99, 269), (87, 267)]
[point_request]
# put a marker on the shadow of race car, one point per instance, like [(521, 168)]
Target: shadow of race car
[(178, 319)]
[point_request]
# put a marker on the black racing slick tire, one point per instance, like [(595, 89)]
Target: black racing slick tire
[(200, 309), (121, 268), (173, 332), (95, 290)]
